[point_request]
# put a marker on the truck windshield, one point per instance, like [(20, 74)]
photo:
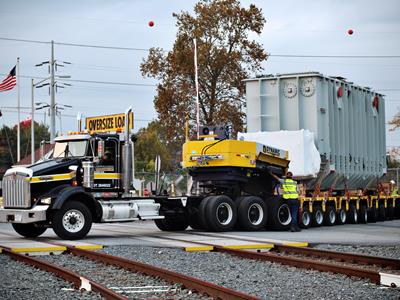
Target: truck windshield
[(69, 149)]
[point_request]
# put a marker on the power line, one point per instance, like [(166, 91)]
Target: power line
[(144, 49)]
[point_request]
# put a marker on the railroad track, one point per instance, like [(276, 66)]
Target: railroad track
[(291, 255), (82, 282)]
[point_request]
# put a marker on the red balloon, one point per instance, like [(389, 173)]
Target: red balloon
[(350, 31), (151, 23)]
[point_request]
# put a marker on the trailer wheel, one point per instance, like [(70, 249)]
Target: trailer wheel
[(30, 230), (317, 217), (73, 221), (172, 223), (341, 217), (201, 215), (397, 209), (305, 218), (372, 214), (252, 213), (381, 212), (220, 213), (279, 217), (363, 214), (352, 214), (330, 216), (390, 211)]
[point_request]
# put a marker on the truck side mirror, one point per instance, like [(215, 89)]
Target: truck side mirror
[(100, 149)]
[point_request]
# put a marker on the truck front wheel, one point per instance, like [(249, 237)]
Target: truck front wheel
[(29, 230), (73, 221)]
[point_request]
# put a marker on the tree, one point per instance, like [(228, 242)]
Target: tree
[(151, 142), (8, 141), (226, 57), (395, 122)]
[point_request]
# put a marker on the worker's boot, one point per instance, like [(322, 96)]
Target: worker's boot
[(294, 228)]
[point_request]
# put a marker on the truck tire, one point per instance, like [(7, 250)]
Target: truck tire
[(341, 217), (381, 212), (305, 219), (317, 217), (330, 216), (170, 223), (389, 211), (372, 214), (73, 221), (220, 213), (363, 214), (202, 222), (352, 214), (279, 217), (30, 230), (252, 213)]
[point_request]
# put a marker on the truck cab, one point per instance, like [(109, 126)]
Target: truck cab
[(89, 177)]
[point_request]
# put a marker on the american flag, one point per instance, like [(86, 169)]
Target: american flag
[(9, 82)]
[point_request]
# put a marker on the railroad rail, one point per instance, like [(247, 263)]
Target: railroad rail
[(80, 282), (375, 276), (77, 280)]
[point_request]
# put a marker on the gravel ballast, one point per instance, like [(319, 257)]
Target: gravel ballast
[(385, 251), (130, 284), (263, 279), (21, 281)]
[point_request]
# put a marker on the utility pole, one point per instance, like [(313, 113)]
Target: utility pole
[(33, 125), (52, 97), (19, 114)]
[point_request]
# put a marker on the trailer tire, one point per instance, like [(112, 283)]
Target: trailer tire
[(352, 214), (389, 212), (220, 213), (252, 213), (279, 217), (317, 217), (381, 212), (172, 223), (397, 209), (72, 221), (341, 217), (372, 214), (202, 221), (29, 230), (305, 219), (363, 214), (330, 216)]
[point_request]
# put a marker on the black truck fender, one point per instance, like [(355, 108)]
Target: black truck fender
[(78, 193)]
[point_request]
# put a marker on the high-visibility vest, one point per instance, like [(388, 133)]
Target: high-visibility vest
[(290, 189), (395, 192)]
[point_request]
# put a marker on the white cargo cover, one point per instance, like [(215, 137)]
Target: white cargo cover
[(304, 157)]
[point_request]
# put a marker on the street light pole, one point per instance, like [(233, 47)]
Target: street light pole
[(52, 97), (33, 126)]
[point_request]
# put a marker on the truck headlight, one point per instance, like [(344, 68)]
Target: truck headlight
[(46, 200)]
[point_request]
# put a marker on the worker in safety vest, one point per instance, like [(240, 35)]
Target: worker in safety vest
[(290, 194)]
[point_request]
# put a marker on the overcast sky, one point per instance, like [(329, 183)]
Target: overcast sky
[(293, 27)]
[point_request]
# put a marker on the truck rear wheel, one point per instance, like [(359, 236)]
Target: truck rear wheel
[(73, 221), (352, 214), (220, 213), (29, 230), (363, 214), (170, 223), (330, 216), (317, 217), (341, 217), (279, 217), (305, 218), (252, 213)]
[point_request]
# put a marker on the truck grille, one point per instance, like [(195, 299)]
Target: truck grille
[(16, 191)]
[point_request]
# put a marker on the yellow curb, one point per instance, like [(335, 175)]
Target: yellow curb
[(250, 246), (89, 247), (296, 244), (38, 249), (200, 248)]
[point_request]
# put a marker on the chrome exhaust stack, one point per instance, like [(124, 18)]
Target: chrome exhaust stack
[(127, 174)]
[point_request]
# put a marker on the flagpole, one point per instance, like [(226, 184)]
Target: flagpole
[(33, 124), (19, 117)]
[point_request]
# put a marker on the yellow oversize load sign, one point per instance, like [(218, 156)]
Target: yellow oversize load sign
[(108, 123)]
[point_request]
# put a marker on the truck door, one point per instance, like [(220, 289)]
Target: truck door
[(107, 174)]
